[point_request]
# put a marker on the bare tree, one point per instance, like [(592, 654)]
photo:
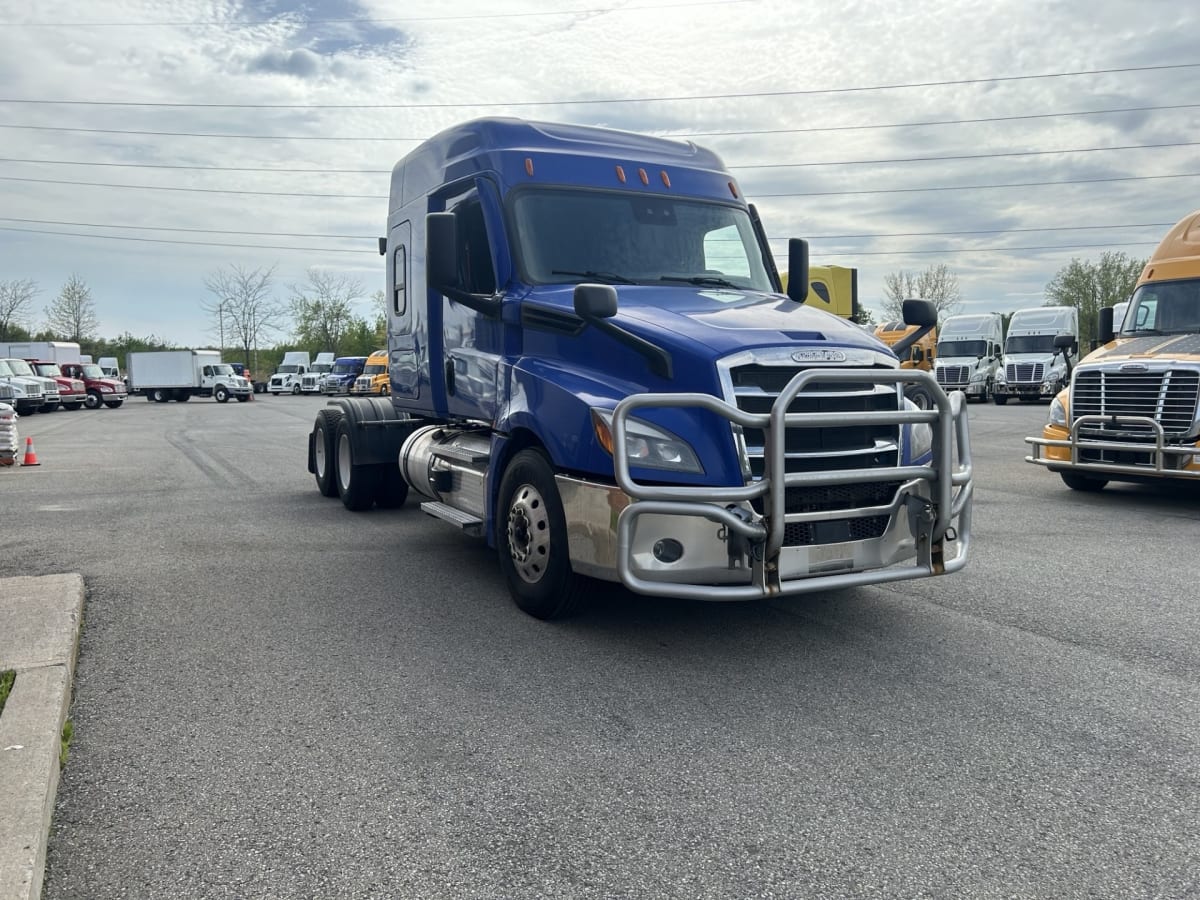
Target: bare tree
[(72, 314), (937, 283), (16, 301), (244, 306), (322, 308)]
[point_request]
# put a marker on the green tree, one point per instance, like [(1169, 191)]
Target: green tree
[(16, 301), (72, 314), (1091, 286), (323, 312), (937, 284)]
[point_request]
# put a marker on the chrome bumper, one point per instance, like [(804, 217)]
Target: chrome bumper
[(1166, 460)]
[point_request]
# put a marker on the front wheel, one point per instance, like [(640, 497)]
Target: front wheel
[(295, 389), (531, 534), (385, 390), (221, 394), (920, 396), (93, 400), (1084, 483), (999, 400)]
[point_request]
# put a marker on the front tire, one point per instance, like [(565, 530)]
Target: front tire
[(920, 396), (295, 390), (531, 534), (1085, 483), (998, 400), (357, 484), (221, 394), (93, 400)]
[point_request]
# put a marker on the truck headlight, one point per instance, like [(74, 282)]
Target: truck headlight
[(1001, 378), (1058, 413), (920, 437), (646, 445), (977, 377)]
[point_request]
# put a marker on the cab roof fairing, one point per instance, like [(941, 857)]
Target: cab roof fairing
[(574, 155)]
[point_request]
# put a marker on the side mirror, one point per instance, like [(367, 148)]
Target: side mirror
[(797, 288), (920, 312), (1064, 342), (596, 301), (1104, 329), (441, 261)]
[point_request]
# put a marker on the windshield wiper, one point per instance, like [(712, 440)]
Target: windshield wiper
[(607, 277), (709, 280)]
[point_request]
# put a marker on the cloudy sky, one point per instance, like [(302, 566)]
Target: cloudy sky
[(147, 145)]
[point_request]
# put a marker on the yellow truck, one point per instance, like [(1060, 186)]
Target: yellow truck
[(1131, 411), (374, 379), (833, 289), (919, 355)]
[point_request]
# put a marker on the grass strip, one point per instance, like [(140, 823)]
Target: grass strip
[(7, 677)]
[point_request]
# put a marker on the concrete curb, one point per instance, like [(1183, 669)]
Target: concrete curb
[(39, 638)]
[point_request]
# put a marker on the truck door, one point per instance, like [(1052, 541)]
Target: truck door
[(471, 341)]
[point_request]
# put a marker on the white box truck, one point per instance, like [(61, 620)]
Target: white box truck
[(286, 379), (162, 375), (1034, 368), (48, 351), (969, 349)]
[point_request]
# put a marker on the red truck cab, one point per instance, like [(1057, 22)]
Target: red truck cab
[(72, 392), (100, 390)]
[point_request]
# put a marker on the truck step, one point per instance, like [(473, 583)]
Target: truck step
[(467, 522), (461, 454)]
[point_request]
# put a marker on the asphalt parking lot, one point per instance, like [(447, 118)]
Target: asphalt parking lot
[(278, 698)]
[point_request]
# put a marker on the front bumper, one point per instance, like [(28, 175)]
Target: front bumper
[(721, 549), (1061, 449)]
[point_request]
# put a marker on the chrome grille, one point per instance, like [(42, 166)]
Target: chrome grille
[(951, 376), (1169, 398), (1028, 373)]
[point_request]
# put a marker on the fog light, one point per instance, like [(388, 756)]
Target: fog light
[(668, 550)]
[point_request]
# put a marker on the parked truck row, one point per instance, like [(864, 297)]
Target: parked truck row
[(44, 375)]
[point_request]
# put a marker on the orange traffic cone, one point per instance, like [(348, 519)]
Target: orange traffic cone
[(30, 456)]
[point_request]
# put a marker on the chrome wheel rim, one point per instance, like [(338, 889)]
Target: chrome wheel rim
[(529, 534)]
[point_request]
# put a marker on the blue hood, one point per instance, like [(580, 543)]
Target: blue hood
[(725, 320)]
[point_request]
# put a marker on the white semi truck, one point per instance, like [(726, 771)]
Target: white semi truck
[(162, 375), (287, 377), (1035, 368), (322, 366), (969, 348)]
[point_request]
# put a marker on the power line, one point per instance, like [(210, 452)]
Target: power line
[(297, 234), (156, 187), (608, 100), (215, 23), (121, 237), (971, 187), (678, 134), (894, 234), (988, 249), (801, 165)]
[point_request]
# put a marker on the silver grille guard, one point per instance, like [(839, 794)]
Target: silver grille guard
[(1159, 450), (946, 517)]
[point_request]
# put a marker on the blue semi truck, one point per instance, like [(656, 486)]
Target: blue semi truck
[(594, 367)]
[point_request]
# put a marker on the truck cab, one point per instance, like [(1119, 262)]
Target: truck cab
[(28, 394), (374, 378), (1132, 410), (72, 393), (342, 374), (594, 368), (51, 395), (1035, 367), (101, 391), (969, 350), (310, 383), (287, 378)]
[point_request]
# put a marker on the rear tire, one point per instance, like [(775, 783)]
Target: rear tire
[(393, 489), (531, 535), (920, 395), (357, 484), (1084, 483), (324, 444)]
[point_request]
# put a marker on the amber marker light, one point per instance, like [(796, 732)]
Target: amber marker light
[(620, 175), (603, 432), (733, 189), (529, 166), (666, 178), (642, 175)]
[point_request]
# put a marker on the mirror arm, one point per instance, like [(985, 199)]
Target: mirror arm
[(901, 346)]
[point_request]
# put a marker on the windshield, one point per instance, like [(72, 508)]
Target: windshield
[(319, 369), (374, 369), (223, 369), (571, 236), (19, 367), (1165, 307), (1029, 343), (344, 368), (4, 369), (947, 349), (91, 370), (288, 370), (50, 369)]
